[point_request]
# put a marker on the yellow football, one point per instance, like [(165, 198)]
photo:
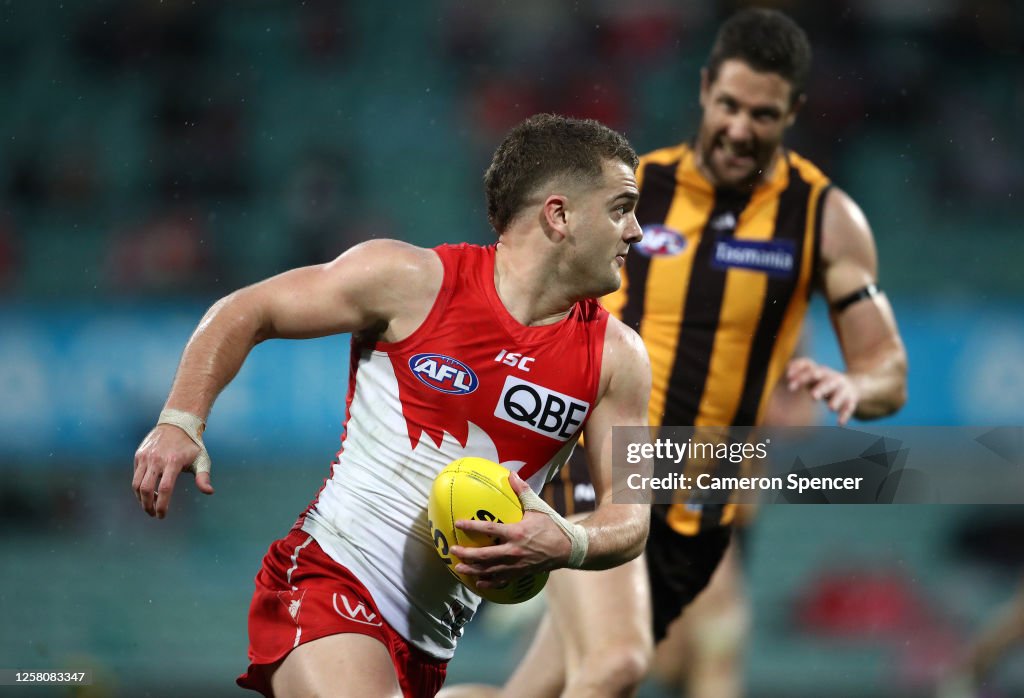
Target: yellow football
[(476, 488)]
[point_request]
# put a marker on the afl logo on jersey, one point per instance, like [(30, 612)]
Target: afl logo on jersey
[(444, 374), (660, 241)]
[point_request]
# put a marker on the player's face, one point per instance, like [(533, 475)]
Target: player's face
[(745, 113), (605, 227)]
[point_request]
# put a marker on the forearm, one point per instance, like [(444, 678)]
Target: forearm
[(215, 353), (882, 388), (617, 534)]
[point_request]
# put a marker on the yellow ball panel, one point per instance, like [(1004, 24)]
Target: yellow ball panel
[(476, 488)]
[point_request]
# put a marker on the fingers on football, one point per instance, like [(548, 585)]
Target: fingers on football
[(486, 555), (519, 485), (491, 568), (489, 528)]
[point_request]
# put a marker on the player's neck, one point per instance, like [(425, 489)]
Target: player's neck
[(529, 290)]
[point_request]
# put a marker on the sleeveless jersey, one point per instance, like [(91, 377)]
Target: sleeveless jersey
[(717, 289), (470, 381)]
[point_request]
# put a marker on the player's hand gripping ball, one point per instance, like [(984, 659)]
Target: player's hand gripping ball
[(476, 488)]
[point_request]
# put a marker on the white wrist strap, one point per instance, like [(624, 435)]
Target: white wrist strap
[(193, 426), (578, 538)]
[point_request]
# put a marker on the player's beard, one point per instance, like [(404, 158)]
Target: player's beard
[(734, 166)]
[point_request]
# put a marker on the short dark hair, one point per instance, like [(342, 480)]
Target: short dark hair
[(542, 148), (766, 40)]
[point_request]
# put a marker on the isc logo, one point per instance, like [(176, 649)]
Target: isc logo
[(511, 358), (539, 409), (443, 373)]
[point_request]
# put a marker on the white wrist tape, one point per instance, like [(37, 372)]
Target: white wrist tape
[(578, 538), (193, 426)]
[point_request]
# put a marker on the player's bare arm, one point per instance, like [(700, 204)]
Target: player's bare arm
[(382, 286), (615, 533), (874, 383)]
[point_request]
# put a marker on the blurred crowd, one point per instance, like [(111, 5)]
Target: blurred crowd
[(155, 148)]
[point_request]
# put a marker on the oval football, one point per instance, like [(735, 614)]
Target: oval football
[(476, 488)]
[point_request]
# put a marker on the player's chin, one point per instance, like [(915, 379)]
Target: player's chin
[(613, 282), (736, 176)]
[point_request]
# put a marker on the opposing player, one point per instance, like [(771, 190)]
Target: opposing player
[(738, 230), (499, 352), (701, 655)]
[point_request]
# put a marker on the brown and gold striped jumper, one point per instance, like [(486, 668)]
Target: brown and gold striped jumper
[(718, 290)]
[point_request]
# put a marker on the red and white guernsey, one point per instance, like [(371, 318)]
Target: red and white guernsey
[(470, 381)]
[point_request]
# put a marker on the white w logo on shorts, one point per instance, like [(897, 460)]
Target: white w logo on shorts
[(353, 612)]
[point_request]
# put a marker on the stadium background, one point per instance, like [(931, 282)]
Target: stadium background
[(156, 155)]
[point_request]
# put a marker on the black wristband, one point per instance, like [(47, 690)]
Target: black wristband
[(869, 291)]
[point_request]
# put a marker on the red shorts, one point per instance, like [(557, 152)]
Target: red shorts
[(301, 595)]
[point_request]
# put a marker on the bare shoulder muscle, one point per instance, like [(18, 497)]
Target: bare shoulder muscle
[(625, 372), (402, 281), (382, 286), (622, 400), (848, 256)]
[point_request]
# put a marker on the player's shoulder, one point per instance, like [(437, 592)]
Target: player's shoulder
[(842, 212), (845, 231), (808, 171), (623, 346), (665, 156), (415, 269), (625, 366), (389, 248), (393, 253)]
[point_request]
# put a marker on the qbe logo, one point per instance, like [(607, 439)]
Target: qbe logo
[(444, 374), (540, 410)]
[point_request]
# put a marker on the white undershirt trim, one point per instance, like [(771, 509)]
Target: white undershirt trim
[(295, 565)]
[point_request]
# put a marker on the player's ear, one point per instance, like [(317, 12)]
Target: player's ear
[(798, 104), (554, 213), (705, 88)]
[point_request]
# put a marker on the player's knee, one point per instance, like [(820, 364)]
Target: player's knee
[(632, 666), (618, 669), (722, 635)]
